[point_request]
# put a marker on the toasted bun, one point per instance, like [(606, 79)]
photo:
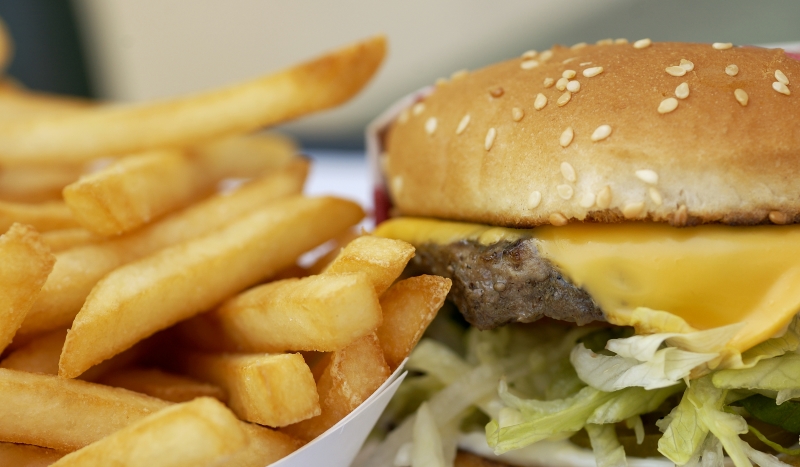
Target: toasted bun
[(714, 158)]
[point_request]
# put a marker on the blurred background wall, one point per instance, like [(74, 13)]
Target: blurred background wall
[(133, 50)]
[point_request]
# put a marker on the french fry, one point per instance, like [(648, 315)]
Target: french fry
[(244, 156), (36, 184), (46, 216), (266, 446), (25, 263), (352, 375), (322, 313), (340, 242), (382, 259), (77, 270), (138, 299), (268, 389), (20, 104), (202, 432), (25, 455), (114, 130), (409, 306), (64, 239), (157, 383)]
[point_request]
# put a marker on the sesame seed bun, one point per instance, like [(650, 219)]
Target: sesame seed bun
[(504, 146)]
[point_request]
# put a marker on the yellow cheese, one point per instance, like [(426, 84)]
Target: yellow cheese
[(709, 275)]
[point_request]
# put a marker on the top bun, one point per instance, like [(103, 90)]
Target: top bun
[(699, 133)]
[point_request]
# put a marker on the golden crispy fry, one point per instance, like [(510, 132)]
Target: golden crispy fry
[(352, 375), (322, 313), (51, 215), (135, 190), (244, 156), (64, 239), (36, 184), (409, 306), (157, 383), (266, 446), (25, 455), (192, 434), (47, 409), (268, 389), (113, 130), (77, 270), (138, 299), (383, 259), (20, 104), (25, 263)]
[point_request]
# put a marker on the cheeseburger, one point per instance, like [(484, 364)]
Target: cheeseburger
[(620, 224)]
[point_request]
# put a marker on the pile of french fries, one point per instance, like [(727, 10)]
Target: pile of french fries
[(152, 310)]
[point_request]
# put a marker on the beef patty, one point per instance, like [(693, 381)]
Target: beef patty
[(505, 282)]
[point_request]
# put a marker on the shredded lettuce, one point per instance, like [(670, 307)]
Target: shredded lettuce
[(630, 403), (771, 348), (437, 360), (635, 423), (607, 450), (649, 321), (709, 455), (777, 373), (786, 415), (426, 450)]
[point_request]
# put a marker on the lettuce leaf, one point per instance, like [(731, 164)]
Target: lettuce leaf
[(683, 430), (427, 441), (437, 360), (786, 415), (776, 374), (605, 445)]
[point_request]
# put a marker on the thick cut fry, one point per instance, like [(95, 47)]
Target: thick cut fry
[(64, 239), (268, 389), (339, 242), (134, 191), (112, 130), (244, 156), (165, 386), (192, 434), (352, 375), (409, 306), (36, 184), (77, 270), (266, 446), (51, 215), (383, 259), (176, 283), (322, 313), (25, 455), (25, 263)]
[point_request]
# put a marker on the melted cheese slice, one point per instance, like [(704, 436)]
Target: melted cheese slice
[(709, 275)]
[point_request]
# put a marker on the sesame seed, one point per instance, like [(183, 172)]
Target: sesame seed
[(565, 191), (489, 141), (604, 198), (496, 92), (647, 176), (534, 199), (462, 125), (593, 71), (557, 219), (530, 54), (781, 88), (573, 86), (680, 217), (499, 286), (731, 70), (655, 195), (540, 101), (568, 60), (569, 74), (682, 91), (517, 114), (602, 132), (781, 77), (605, 41), (621, 40), (741, 97), (686, 65), (529, 64), (722, 45), (579, 45), (676, 70), (642, 43), (561, 84), (459, 74), (418, 108), (564, 99), (566, 137), (403, 117), (430, 125), (632, 210), (777, 217), (549, 82), (585, 63), (546, 55), (587, 200), (568, 171), (667, 105)]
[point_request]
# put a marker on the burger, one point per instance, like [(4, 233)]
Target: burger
[(620, 222)]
